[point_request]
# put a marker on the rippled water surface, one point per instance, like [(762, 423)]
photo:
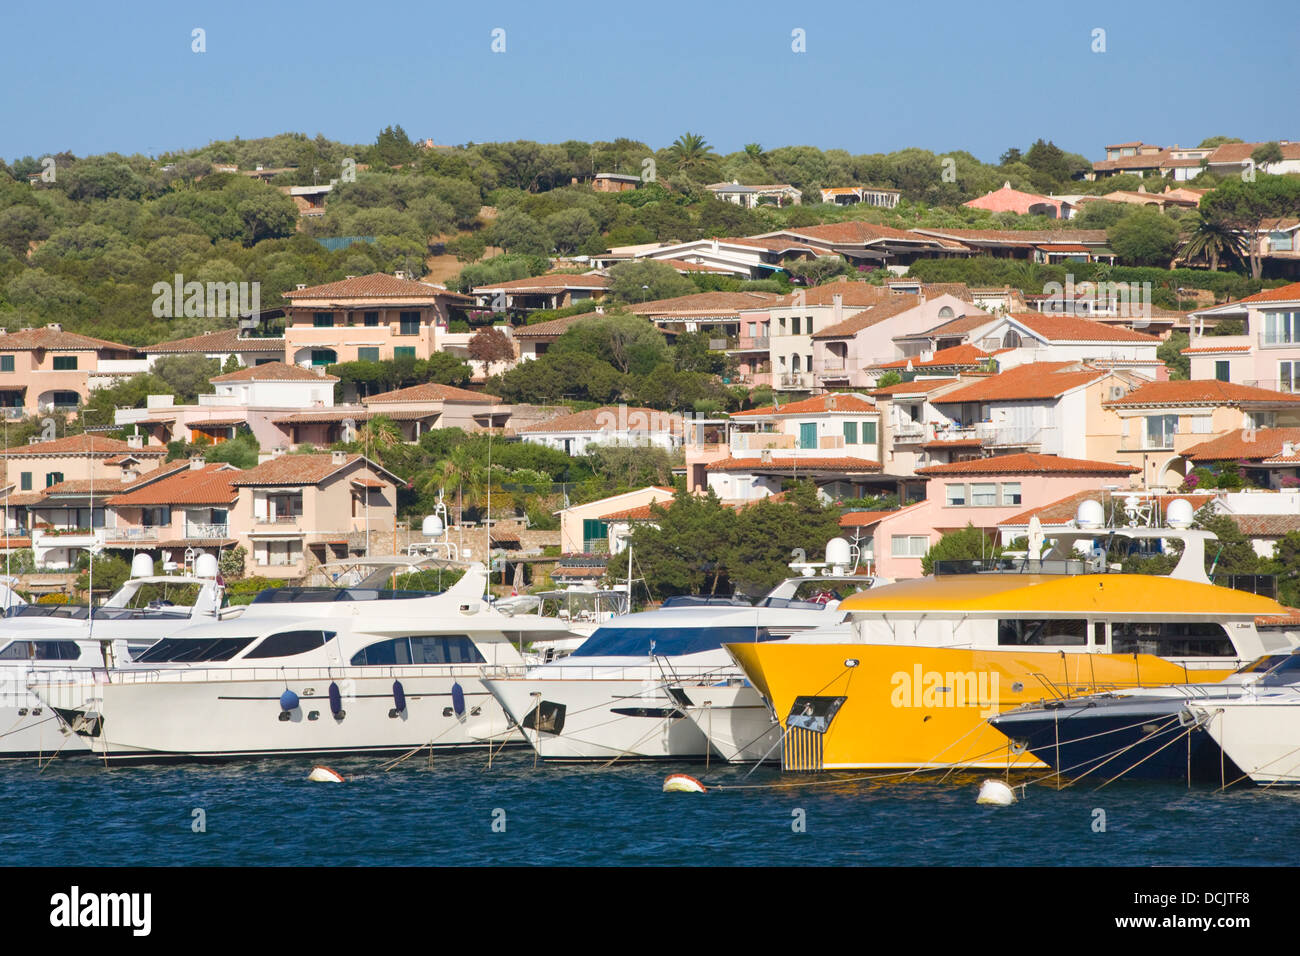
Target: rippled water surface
[(76, 812)]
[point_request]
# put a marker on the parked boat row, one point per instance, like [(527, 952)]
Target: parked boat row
[(1047, 659)]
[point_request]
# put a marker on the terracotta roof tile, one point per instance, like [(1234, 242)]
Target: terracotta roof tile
[(1072, 328), (226, 340), (610, 418), (834, 402), (1285, 293), (551, 328), (295, 470), (1028, 463), (550, 282), (1266, 526), (273, 372), (862, 519), (1263, 443), (956, 356), (1037, 380), (1200, 392), (57, 341), (709, 303), (872, 315), (377, 285), (82, 445), (209, 485), (431, 392)]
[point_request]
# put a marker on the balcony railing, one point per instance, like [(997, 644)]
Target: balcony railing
[(200, 530), (794, 380), (278, 519), (12, 413), (908, 431), (1146, 442), (132, 534)]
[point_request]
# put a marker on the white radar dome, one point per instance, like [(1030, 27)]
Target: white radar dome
[(1179, 514), (142, 565), (1090, 514)]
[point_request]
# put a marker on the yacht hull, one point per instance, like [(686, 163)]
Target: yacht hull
[(1153, 740), (600, 719), (734, 719), (190, 718), (1262, 738), (907, 706)]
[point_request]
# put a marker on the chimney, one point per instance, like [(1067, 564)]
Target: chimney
[(339, 458), (837, 307), (399, 274), (135, 441), (301, 286), (54, 327), (197, 462)]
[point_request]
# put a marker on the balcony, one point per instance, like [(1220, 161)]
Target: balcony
[(761, 441), (199, 530), (278, 519), (132, 534), (908, 431), (799, 380), (1146, 442)]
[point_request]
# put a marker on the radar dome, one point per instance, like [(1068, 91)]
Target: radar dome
[(839, 552), (205, 566), (431, 526), (1179, 514), (142, 565), (1090, 514)]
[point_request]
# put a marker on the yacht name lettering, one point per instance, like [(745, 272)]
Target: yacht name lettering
[(75, 909), (946, 689)]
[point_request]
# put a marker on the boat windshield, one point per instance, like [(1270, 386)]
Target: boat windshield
[(665, 641), (1263, 664), (1285, 671), (193, 650), (325, 595)]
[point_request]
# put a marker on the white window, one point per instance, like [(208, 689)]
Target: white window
[(1011, 492), (909, 545), (1288, 376), (984, 495), (1201, 424), (1160, 431), (954, 495)]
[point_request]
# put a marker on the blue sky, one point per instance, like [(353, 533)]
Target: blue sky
[(92, 77)]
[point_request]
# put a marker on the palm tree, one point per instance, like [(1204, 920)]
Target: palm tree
[(690, 149), (379, 432), (754, 151), (1211, 239)]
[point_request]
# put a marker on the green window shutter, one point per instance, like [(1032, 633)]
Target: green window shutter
[(368, 355), (850, 433), (27, 481), (323, 320), (6, 363), (808, 435), (868, 433), (65, 363), (404, 351)]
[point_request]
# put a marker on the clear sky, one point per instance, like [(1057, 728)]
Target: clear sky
[(96, 77)]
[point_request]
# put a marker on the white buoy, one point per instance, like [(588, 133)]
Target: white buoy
[(995, 793), (322, 774), (683, 783)]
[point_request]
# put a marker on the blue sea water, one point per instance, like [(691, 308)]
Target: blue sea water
[(266, 813)]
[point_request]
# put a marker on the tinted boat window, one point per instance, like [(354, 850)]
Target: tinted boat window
[(1171, 639), (1042, 633), (288, 643), (670, 641), (432, 649), (41, 651), (193, 650)]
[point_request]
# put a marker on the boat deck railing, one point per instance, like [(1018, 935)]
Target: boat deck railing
[(231, 674), (636, 672)]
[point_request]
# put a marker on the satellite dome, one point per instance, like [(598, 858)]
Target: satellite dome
[(142, 565), (1179, 514), (1090, 514)]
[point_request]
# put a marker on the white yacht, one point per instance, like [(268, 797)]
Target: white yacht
[(660, 683), (73, 642), (311, 671), (1258, 730)]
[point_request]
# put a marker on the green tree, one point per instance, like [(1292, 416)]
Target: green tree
[(187, 376), (1171, 353), (968, 544), (1245, 206), (1145, 237), (645, 280), (1266, 153), (690, 151), (1211, 239)]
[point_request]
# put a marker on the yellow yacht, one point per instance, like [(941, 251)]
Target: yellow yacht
[(929, 660)]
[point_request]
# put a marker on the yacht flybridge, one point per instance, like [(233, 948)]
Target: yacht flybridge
[(929, 660), (75, 641), (312, 670), (636, 689)]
